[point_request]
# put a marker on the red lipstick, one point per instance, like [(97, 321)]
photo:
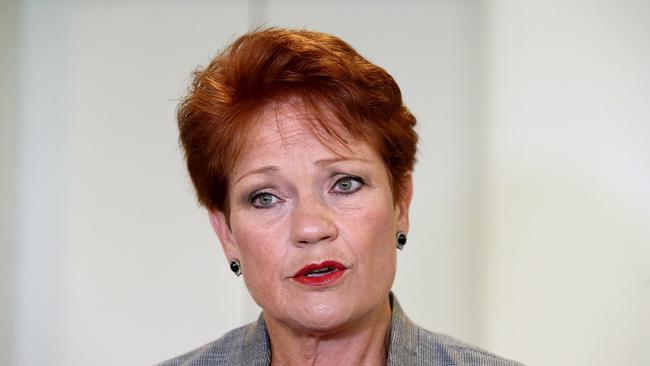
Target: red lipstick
[(320, 274)]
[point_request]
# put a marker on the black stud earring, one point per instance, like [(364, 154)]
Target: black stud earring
[(235, 266), (401, 240)]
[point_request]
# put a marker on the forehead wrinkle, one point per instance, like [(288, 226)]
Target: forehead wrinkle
[(285, 126), (319, 121)]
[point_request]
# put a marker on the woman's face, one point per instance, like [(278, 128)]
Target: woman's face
[(314, 229)]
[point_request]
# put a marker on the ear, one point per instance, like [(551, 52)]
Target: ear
[(221, 228), (403, 205)]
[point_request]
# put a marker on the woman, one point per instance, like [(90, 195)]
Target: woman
[(302, 152)]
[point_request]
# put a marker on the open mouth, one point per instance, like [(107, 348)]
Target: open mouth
[(320, 274)]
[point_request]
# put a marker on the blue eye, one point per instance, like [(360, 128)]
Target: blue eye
[(347, 185), (264, 200)]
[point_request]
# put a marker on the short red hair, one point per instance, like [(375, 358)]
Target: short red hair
[(265, 66)]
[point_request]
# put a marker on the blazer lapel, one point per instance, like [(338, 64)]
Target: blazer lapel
[(256, 348), (404, 337)]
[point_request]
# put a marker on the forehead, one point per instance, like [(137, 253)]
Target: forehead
[(282, 124), (289, 128)]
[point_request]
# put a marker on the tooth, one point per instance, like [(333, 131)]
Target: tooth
[(320, 272)]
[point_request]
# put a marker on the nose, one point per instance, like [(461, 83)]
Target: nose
[(313, 222)]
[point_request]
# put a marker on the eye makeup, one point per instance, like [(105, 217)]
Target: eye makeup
[(263, 199), (348, 184)]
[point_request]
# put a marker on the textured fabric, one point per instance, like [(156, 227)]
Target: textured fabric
[(410, 345)]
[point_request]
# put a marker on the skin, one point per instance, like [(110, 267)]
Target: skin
[(293, 202)]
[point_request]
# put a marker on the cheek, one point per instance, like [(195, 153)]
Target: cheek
[(372, 238), (256, 242), (261, 259)]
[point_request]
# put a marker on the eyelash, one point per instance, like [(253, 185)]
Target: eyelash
[(255, 196), (351, 178)]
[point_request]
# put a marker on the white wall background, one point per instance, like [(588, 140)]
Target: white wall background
[(8, 84), (530, 221), (566, 182)]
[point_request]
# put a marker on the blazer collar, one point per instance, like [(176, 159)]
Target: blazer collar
[(404, 336), (256, 347)]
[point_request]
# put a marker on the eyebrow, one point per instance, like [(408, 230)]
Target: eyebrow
[(339, 159), (275, 168), (264, 169)]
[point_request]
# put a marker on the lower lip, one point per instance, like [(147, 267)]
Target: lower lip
[(323, 280)]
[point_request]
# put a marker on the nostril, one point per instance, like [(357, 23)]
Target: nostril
[(315, 232), (323, 238)]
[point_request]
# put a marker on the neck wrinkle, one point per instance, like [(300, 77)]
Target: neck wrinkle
[(366, 343)]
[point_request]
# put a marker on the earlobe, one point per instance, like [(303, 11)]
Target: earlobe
[(222, 229)]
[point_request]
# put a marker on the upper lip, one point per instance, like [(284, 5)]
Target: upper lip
[(316, 266)]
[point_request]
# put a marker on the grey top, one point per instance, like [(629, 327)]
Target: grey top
[(409, 345)]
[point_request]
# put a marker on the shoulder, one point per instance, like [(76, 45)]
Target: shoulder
[(247, 345), (220, 352), (414, 345), (447, 350)]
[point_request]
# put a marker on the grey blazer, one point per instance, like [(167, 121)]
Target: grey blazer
[(409, 345)]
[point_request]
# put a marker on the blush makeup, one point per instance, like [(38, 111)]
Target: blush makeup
[(321, 274)]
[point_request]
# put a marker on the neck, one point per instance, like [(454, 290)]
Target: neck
[(360, 343)]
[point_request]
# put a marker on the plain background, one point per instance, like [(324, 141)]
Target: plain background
[(530, 222)]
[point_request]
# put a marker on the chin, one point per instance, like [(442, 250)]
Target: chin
[(323, 320), (328, 314)]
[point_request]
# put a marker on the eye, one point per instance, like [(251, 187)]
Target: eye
[(264, 200), (347, 185)]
